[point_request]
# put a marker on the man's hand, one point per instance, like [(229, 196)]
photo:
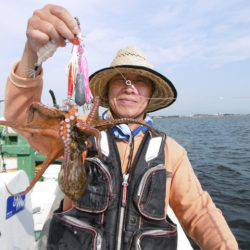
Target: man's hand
[(52, 22)]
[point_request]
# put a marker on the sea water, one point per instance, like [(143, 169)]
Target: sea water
[(219, 151)]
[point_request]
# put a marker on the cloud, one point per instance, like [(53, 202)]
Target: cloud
[(211, 32), (235, 50), (184, 32)]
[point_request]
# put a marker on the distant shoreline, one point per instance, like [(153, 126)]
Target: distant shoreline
[(197, 115)]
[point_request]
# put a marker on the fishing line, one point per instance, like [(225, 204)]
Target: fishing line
[(130, 83), (49, 49), (139, 105), (126, 81)]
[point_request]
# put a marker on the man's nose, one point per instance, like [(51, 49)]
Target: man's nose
[(131, 89)]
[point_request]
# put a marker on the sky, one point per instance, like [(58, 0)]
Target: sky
[(202, 46)]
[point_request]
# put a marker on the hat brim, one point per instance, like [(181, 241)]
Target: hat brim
[(164, 94)]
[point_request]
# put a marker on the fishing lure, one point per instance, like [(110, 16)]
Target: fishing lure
[(78, 80), (79, 90)]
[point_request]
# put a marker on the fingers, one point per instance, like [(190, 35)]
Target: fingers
[(59, 25), (37, 38), (64, 15), (48, 29), (51, 23)]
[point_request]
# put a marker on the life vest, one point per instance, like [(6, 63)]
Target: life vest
[(119, 212)]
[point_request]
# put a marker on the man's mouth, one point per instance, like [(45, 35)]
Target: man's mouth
[(127, 101)]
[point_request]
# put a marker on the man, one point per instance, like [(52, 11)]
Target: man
[(139, 174)]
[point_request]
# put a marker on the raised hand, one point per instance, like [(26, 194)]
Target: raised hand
[(51, 23)]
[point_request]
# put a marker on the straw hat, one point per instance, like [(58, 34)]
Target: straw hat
[(131, 60)]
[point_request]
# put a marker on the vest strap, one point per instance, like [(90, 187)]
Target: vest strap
[(153, 148), (104, 143)]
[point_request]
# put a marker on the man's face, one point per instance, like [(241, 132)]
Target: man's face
[(127, 101)]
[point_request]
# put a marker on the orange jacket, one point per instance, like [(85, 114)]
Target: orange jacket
[(192, 205)]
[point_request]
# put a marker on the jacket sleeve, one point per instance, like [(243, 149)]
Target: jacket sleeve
[(19, 94), (193, 206)]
